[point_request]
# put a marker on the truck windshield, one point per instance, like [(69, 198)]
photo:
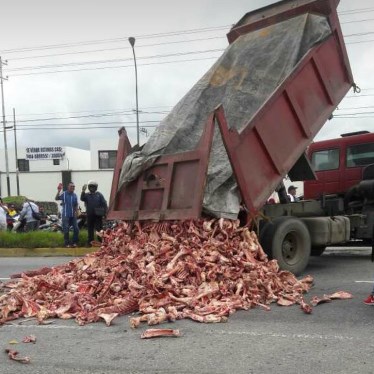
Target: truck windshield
[(327, 159), (360, 154)]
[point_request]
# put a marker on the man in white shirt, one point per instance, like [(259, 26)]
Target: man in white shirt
[(28, 207), (3, 212)]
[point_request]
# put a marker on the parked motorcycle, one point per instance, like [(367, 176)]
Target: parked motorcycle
[(82, 219), (18, 225), (53, 223)]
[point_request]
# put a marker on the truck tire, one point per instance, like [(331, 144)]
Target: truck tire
[(317, 251), (287, 240)]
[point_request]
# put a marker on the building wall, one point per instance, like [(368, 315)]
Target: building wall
[(77, 159), (101, 145), (74, 158), (102, 177), (42, 185)]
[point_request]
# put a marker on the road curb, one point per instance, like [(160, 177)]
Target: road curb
[(45, 252)]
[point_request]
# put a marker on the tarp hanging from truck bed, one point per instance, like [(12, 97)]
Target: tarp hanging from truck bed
[(242, 80)]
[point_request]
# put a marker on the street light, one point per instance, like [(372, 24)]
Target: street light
[(132, 42)]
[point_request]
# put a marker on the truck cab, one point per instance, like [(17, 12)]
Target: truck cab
[(338, 206), (339, 164)]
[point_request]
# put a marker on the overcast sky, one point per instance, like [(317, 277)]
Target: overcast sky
[(176, 43)]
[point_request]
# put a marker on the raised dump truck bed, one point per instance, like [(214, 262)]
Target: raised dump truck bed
[(262, 150)]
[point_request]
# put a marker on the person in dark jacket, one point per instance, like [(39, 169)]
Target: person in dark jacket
[(69, 203), (96, 209)]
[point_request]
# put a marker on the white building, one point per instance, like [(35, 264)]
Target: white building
[(39, 169)]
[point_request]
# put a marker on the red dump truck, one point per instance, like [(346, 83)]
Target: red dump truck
[(242, 128)]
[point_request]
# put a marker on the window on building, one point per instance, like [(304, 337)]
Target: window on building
[(360, 155), (56, 161), (327, 159), (107, 159), (23, 165)]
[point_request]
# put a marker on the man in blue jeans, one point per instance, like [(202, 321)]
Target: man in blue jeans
[(69, 202)]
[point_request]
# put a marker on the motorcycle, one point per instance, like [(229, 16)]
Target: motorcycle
[(17, 224), (53, 223), (82, 219)]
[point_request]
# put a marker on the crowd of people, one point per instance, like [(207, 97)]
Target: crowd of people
[(31, 215), (26, 216)]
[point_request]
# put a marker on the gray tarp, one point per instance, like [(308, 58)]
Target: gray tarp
[(242, 79)]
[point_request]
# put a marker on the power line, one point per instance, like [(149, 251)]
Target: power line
[(115, 67), (361, 41), (358, 20), (38, 67), (143, 111), (122, 39), (113, 60), (353, 117), (81, 128), (115, 40), (360, 34), (352, 114), (89, 116), (358, 96), (75, 117), (119, 48), (143, 122), (355, 11), (148, 36), (128, 59), (94, 110), (86, 124), (358, 107)]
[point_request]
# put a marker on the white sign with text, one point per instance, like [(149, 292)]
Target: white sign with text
[(44, 153)]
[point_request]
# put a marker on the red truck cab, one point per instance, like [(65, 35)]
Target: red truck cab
[(339, 163)]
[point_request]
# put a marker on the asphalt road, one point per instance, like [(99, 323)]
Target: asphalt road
[(336, 338)]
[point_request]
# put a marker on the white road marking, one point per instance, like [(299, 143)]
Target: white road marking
[(10, 325), (213, 332), (364, 281), (288, 336), (4, 278)]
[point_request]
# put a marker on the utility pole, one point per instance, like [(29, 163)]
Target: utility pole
[(15, 149), (4, 127)]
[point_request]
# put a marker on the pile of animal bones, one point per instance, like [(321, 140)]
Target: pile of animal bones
[(204, 270)]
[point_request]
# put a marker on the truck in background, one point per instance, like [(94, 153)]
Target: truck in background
[(339, 165), (345, 180), (338, 206)]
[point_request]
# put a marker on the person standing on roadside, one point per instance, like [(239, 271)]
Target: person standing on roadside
[(69, 202), (12, 211), (3, 213), (28, 208), (96, 209)]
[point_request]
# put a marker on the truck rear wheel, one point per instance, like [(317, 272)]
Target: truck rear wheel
[(287, 240)]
